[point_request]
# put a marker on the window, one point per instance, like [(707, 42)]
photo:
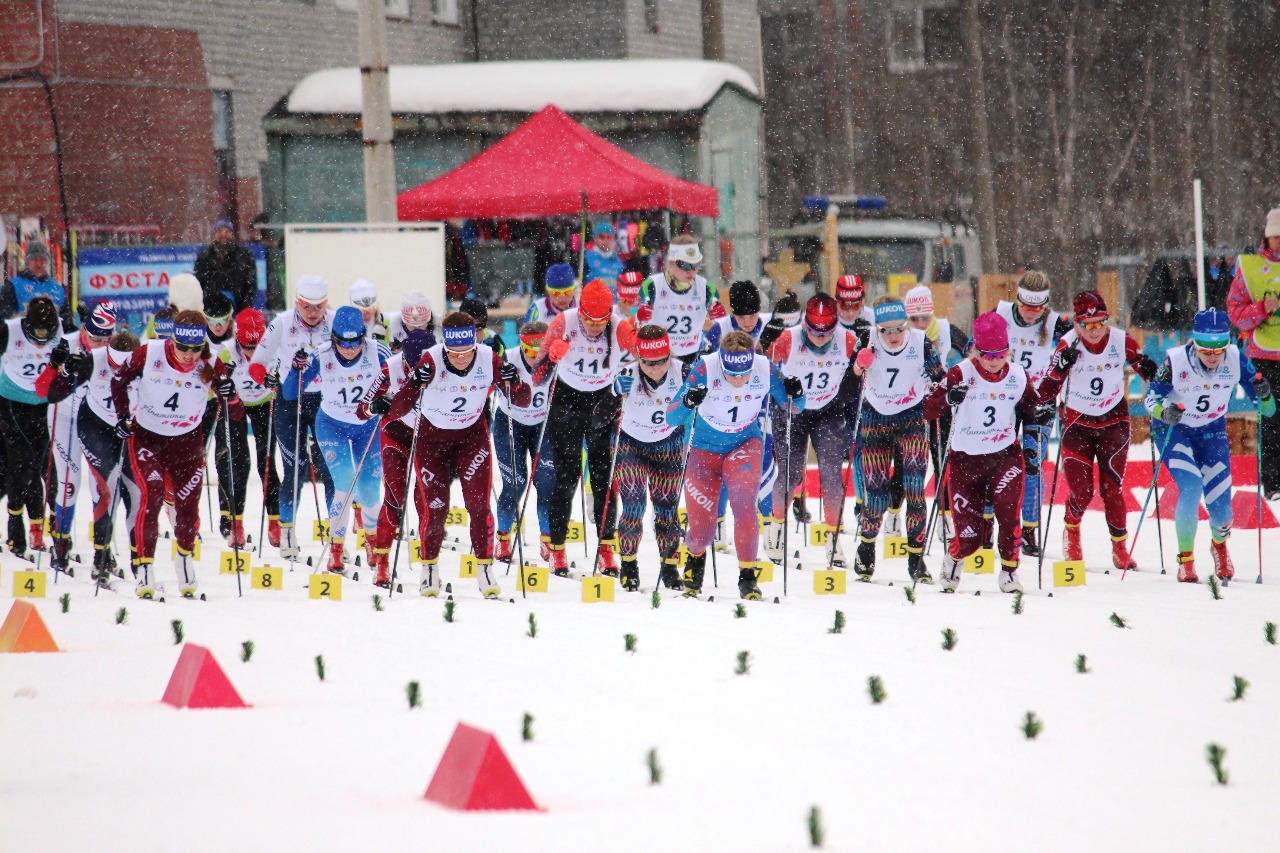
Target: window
[(444, 11), (651, 15), (394, 8), (941, 37), (224, 154), (924, 37)]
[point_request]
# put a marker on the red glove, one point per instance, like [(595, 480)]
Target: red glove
[(717, 311), (258, 372), (644, 314), (557, 349), (866, 356)]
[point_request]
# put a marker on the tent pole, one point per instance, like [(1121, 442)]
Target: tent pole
[(1199, 217), (582, 244)]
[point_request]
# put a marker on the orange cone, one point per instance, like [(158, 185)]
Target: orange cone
[(25, 631)]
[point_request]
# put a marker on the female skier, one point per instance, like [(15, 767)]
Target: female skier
[(259, 403), (1188, 400), (561, 284), (679, 300)]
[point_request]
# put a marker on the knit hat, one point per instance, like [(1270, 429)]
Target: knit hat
[(1272, 228), (218, 308), (560, 277), (744, 298), (477, 309), (821, 314), (415, 344), (919, 301), (185, 292), (629, 286), (890, 312), (990, 333), (313, 289), (363, 293), (1211, 329), (604, 228), (787, 308), (100, 319), (596, 303), (41, 320), (1089, 305), (251, 326), (653, 349), (415, 309), (849, 288), (221, 222), (35, 249)]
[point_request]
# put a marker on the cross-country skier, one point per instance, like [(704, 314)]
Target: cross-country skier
[(1090, 361), (414, 314), (628, 292), (744, 316), (561, 285), (729, 390), (1188, 400), (679, 299), (984, 465), (259, 403), (851, 294)]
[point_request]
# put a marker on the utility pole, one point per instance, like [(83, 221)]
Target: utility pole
[(1222, 185), (984, 179), (375, 115)]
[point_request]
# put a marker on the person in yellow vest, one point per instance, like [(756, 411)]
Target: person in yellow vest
[(1252, 304)]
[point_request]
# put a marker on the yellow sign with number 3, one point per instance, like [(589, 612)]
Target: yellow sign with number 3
[(576, 532), (456, 517), (829, 582), (1068, 573)]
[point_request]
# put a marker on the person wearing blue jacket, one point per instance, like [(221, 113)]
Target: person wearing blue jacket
[(602, 259)]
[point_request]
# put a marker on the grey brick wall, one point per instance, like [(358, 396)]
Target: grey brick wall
[(679, 33), (536, 29)]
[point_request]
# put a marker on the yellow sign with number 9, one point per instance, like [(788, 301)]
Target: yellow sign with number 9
[(980, 562), (818, 534)]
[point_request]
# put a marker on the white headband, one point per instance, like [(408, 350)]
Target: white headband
[(1034, 298)]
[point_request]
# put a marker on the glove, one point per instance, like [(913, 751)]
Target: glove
[(1063, 360), (1261, 387), (771, 332), (624, 383), (423, 373), (1172, 414), (508, 372), (301, 359), (793, 386), (644, 314), (124, 428), (557, 349), (1146, 368), (60, 354), (717, 311), (271, 380), (866, 356), (226, 389), (380, 405), (80, 364), (695, 395), (956, 394)]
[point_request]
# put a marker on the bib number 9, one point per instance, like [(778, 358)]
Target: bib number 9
[(1095, 386)]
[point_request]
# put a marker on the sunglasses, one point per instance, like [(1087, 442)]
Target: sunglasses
[(994, 354), (188, 347), (97, 339), (1093, 325), (461, 351), (655, 362), (342, 344), (367, 302), (563, 291), (686, 266), (893, 330), (1211, 350)]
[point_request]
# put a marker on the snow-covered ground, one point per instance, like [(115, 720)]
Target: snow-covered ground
[(91, 760)]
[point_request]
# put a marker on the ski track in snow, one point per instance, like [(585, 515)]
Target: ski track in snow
[(94, 760)]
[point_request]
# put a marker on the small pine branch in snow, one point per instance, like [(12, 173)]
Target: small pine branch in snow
[(1269, 632), (1082, 664), (629, 643), (526, 727), (815, 827), (655, 769), (246, 650), (122, 616), (875, 689), (1239, 685), (1031, 725), (377, 602), (448, 610), (655, 600), (1118, 621), (320, 666), (949, 639), (413, 692), (837, 627), (533, 626), (744, 663), (740, 611), (65, 601), (911, 594), (1214, 754), (178, 632), (1215, 589), (1017, 603)]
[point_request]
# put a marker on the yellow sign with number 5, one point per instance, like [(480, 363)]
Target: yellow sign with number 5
[(1068, 573), (895, 547)]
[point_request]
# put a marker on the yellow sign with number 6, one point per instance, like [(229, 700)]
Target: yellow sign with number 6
[(326, 586), (267, 578), (1068, 573), (980, 562), (829, 582), (597, 588), (535, 578)]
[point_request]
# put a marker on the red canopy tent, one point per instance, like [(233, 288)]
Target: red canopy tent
[(552, 166)]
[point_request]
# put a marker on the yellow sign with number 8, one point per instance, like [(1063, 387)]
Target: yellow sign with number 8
[(1068, 573), (267, 578)]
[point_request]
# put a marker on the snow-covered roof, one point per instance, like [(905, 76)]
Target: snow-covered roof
[(575, 86)]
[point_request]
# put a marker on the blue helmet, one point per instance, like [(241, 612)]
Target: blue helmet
[(348, 325), (1211, 329)]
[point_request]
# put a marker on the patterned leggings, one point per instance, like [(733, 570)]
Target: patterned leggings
[(646, 470), (873, 460)]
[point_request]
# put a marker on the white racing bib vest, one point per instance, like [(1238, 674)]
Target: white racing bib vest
[(589, 364), (22, 364), (98, 388), (342, 387), (1025, 348), (729, 409), (896, 381), (681, 314), (644, 411), (1097, 381), (537, 410), (987, 421), (820, 373), (451, 401), (296, 335), (251, 393), (1205, 393), (170, 402), (726, 325), (396, 377), (943, 344)]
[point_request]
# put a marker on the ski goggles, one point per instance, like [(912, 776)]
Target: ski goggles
[(562, 291), (1092, 325), (898, 329), (347, 343), (1211, 349), (686, 266), (994, 354), (530, 345)]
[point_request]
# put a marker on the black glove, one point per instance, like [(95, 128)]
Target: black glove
[(1063, 360), (1171, 414), (956, 394), (301, 359), (509, 372), (380, 405), (226, 388), (1031, 456), (1146, 368), (793, 386), (1261, 387), (772, 331), (272, 380), (80, 364), (60, 354), (423, 373), (695, 395), (124, 428)]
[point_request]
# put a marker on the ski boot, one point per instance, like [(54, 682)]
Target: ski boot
[(1008, 579), (748, 589), (60, 559), (916, 568), (559, 561), (238, 539), (669, 576), (608, 562), (694, 568), (1030, 545), (1071, 547), (101, 566), (429, 586), (1120, 554), (185, 567), (773, 528), (630, 574), (337, 561), (544, 548), (146, 586), (893, 522), (380, 563), (289, 549), (502, 549), (485, 578), (1221, 560), (1187, 567), (950, 574), (800, 511), (864, 561), (273, 531), (835, 553), (17, 535), (224, 526), (36, 538)]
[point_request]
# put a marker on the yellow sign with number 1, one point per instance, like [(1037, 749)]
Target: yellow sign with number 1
[(1068, 573), (597, 588), (818, 534), (895, 547), (227, 564)]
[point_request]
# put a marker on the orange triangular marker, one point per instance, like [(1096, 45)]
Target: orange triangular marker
[(198, 682), (25, 631), (474, 773)]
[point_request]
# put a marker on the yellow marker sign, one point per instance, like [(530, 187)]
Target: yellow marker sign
[(819, 533), (457, 517), (195, 549), (326, 586), (227, 564), (320, 530), (535, 578), (468, 569), (415, 551), (829, 582), (764, 571), (267, 578), (1068, 573), (576, 532), (895, 547), (359, 537), (597, 588), (682, 515), (980, 562), (28, 584), (900, 283)]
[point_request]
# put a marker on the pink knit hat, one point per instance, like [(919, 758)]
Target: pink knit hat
[(990, 333)]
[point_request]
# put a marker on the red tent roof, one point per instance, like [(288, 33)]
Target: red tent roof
[(542, 168)]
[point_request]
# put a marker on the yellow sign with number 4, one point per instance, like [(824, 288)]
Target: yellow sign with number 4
[(981, 562), (326, 586), (267, 578), (28, 584), (1068, 573)]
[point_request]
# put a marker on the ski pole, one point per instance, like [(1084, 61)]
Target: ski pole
[(533, 471), (340, 509), (48, 485), (408, 485), (511, 451), (1146, 501), (297, 462), (938, 493), (1053, 495), (786, 476), (1258, 443), (835, 534), (602, 522), (1159, 531), (231, 488)]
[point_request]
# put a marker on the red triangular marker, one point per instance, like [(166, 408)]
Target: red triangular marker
[(1244, 510), (198, 682), (474, 773)]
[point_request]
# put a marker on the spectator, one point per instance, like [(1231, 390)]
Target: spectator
[(225, 267), (602, 257), (31, 281)]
